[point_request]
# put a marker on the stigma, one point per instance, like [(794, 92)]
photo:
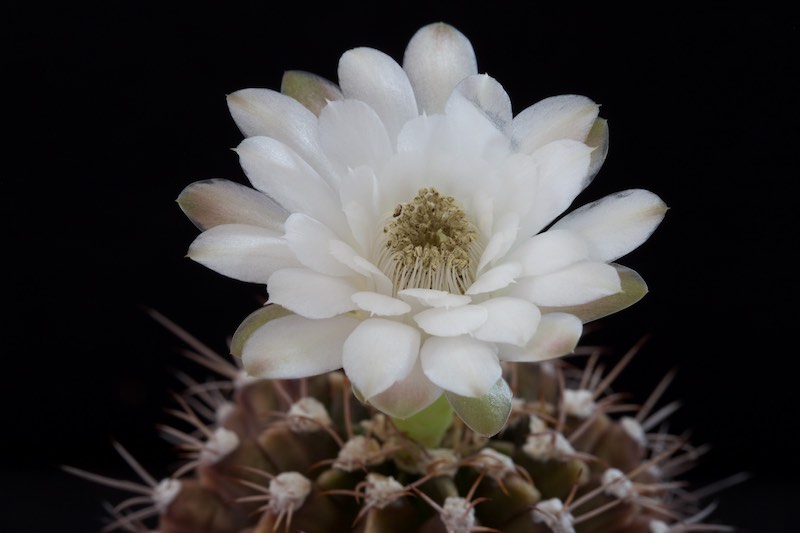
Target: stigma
[(429, 243)]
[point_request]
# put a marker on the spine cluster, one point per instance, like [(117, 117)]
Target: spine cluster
[(268, 456)]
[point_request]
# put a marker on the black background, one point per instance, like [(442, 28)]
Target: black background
[(115, 107)]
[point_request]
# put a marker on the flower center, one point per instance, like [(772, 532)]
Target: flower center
[(430, 244)]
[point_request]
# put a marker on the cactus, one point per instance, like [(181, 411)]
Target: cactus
[(305, 455), (422, 279)]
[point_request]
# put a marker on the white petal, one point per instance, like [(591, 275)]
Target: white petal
[(510, 320), (434, 298), (577, 284), (310, 241), (380, 304), (451, 322), (378, 353), (309, 89), (463, 365), (487, 95), (562, 171), (558, 334), (246, 253), (277, 170), (373, 77), (359, 195), (616, 224), (296, 347), (347, 256), (264, 112), (352, 134), (213, 202), (408, 396), (484, 139), (496, 278), (567, 116), (436, 59), (550, 251), (502, 239), (311, 294)]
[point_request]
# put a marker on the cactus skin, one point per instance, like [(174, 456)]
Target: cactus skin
[(307, 456)]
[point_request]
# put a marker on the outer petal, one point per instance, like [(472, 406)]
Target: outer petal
[(214, 202), (309, 89), (510, 320), (487, 414), (633, 289), (558, 334), (567, 116), (409, 396), (311, 294), (616, 224), (462, 365), (373, 77), (272, 114), (578, 284), (436, 59), (296, 347), (379, 353), (246, 253), (277, 170)]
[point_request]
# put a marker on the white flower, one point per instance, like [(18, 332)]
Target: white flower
[(407, 228)]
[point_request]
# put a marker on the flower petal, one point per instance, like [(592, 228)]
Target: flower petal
[(310, 241), (509, 320), (633, 289), (617, 223), (550, 251), (380, 304), (503, 237), (379, 353), (451, 322), (437, 57), (311, 90), (264, 112), (577, 284), (375, 78), (352, 135), (359, 194), (295, 347), (568, 116), (408, 396), (278, 171), (558, 334), (239, 251), (562, 170), (434, 298), (487, 95), (496, 278), (487, 414), (463, 365), (253, 323), (214, 202), (311, 294)]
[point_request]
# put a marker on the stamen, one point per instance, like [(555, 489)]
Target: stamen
[(430, 244)]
